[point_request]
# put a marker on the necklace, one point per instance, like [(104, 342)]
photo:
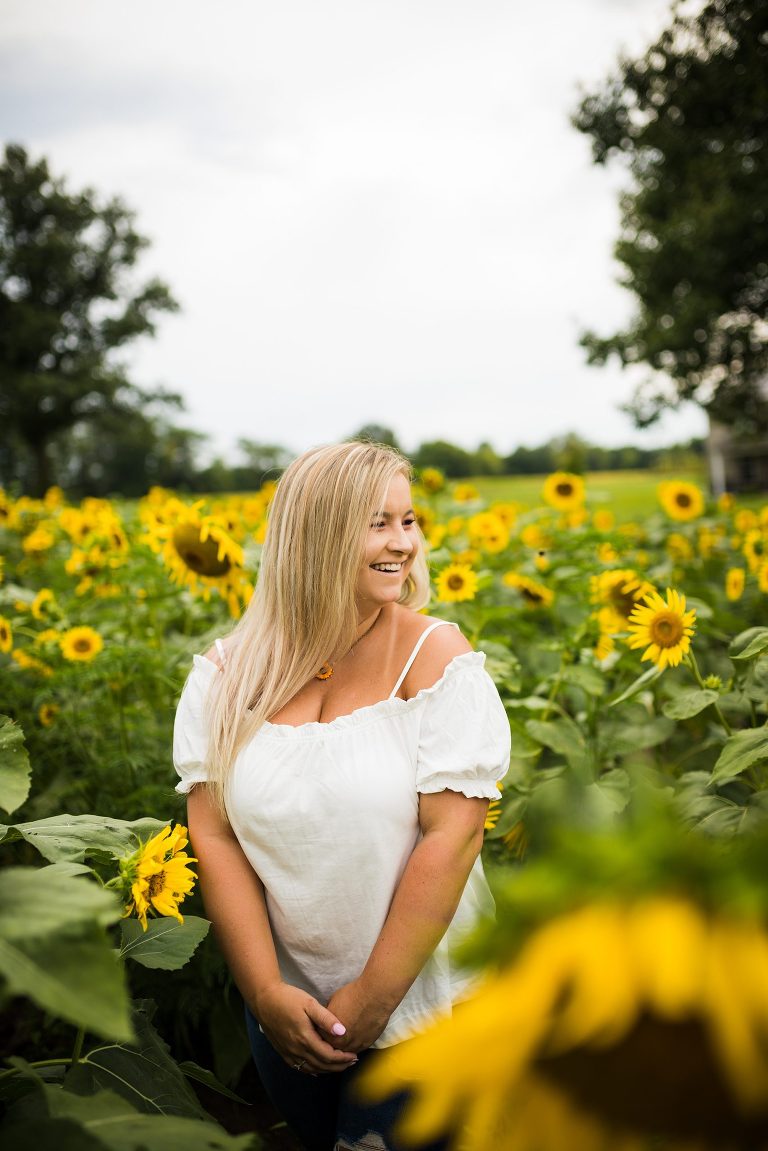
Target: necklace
[(326, 671)]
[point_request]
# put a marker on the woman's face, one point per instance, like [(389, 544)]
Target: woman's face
[(390, 549)]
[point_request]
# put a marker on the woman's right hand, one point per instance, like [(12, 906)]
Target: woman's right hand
[(293, 1022)]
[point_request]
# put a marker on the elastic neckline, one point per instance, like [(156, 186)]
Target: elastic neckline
[(383, 707)]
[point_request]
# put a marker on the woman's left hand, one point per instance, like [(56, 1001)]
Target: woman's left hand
[(363, 1018)]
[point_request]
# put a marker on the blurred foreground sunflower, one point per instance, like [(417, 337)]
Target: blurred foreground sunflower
[(664, 628), (6, 634), (607, 1023)]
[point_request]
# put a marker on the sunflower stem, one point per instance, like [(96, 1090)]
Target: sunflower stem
[(77, 1050), (690, 660)]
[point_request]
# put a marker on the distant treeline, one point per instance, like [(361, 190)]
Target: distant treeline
[(126, 455)]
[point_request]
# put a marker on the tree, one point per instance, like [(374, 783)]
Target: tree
[(690, 120), (66, 305), (377, 434)]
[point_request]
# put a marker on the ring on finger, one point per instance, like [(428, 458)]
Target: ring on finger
[(298, 1066)]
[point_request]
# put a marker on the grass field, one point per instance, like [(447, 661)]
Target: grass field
[(629, 494)]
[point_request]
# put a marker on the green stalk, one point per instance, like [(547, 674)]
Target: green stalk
[(690, 660)]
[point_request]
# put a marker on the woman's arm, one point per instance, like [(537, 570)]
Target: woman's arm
[(422, 908), (234, 900)]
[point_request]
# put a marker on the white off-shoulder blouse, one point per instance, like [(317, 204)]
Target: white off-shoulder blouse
[(328, 815)]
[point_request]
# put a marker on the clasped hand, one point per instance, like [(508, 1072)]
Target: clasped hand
[(316, 1038)]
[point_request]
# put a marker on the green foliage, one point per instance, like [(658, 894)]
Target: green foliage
[(689, 119), (14, 765)]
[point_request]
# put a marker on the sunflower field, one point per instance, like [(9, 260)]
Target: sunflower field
[(625, 999)]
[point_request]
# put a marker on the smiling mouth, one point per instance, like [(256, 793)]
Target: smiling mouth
[(391, 568)]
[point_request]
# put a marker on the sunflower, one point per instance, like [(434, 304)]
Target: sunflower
[(680, 500), (563, 491), (43, 597), (755, 549), (745, 520), (586, 1039), (465, 493), (432, 480), (47, 714), (762, 578), (488, 531), (157, 875), (38, 541), (603, 520), (29, 663), (456, 583), (619, 590), (734, 583), (534, 594), (197, 549), (679, 546), (666, 627), (6, 634), (80, 644)]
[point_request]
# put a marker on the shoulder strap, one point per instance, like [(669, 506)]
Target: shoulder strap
[(222, 652), (415, 652)]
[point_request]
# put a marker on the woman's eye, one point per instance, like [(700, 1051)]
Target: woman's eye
[(378, 524)]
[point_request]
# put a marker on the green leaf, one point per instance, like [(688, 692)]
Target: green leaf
[(610, 793), (15, 771), (141, 1072), (72, 974), (647, 677), (523, 746), (589, 679), (689, 702), (202, 1075), (631, 737), (740, 752), (39, 901), (73, 837), (106, 1120), (749, 644), (562, 736), (166, 944)]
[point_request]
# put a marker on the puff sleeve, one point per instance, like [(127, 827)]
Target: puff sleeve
[(464, 742), (190, 739)]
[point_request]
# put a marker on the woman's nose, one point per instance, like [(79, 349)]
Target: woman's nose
[(400, 540)]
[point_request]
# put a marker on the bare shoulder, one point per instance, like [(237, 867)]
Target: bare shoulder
[(214, 655), (441, 646)]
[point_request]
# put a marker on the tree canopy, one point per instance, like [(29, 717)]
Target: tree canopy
[(67, 304), (690, 121)]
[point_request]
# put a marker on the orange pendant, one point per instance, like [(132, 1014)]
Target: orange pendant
[(326, 671)]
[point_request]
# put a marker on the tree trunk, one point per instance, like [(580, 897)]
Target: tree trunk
[(42, 467)]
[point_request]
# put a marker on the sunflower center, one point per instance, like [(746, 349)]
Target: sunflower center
[(530, 595), (622, 600), (455, 581), (200, 556), (156, 884), (564, 488), (82, 645), (683, 500), (666, 629)]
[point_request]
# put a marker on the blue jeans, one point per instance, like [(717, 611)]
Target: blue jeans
[(322, 1110)]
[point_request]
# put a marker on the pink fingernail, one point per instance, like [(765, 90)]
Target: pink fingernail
[(339, 1029)]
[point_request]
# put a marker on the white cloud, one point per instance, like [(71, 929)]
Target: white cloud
[(369, 211)]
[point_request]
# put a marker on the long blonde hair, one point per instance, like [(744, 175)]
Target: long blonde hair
[(303, 609)]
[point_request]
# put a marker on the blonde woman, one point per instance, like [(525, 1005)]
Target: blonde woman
[(339, 750)]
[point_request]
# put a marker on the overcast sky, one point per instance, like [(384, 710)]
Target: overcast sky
[(369, 210)]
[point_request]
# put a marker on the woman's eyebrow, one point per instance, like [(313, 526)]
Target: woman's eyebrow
[(388, 515)]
